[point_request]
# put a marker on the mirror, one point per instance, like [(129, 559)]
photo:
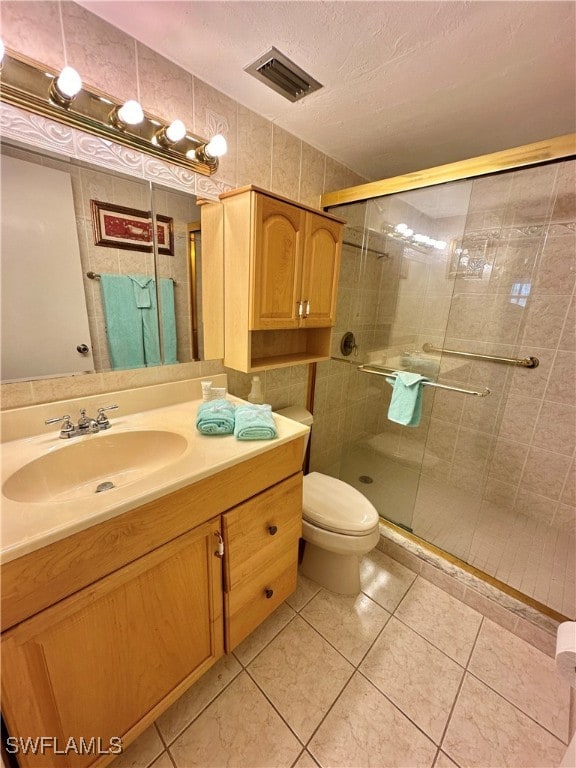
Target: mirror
[(88, 285)]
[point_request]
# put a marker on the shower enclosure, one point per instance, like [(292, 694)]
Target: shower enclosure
[(486, 267)]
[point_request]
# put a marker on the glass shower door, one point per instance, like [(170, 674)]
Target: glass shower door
[(397, 299)]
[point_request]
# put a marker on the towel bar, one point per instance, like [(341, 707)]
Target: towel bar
[(523, 362), (96, 276), (390, 372)]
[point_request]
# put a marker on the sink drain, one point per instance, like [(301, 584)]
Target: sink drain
[(104, 487), (366, 479)]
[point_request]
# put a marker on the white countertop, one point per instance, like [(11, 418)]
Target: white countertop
[(27, 526)]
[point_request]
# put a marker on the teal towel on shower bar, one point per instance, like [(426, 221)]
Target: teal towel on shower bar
[(406, 404)]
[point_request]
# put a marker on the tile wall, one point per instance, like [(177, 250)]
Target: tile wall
[(57, 32)]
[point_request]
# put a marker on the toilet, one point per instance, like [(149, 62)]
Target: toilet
[(339, 526)]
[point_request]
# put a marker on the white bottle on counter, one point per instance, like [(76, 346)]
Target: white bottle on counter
[(255, 395)]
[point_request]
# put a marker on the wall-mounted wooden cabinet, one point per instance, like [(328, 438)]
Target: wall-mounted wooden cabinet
[(281, 268)]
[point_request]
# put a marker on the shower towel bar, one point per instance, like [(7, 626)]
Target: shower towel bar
[(390, 372), (96, 276), (523, 362)]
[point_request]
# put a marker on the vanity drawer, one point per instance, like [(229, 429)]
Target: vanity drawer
[(259, 531), (248, 604)]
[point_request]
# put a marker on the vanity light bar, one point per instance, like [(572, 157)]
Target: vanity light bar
[(25, 84)]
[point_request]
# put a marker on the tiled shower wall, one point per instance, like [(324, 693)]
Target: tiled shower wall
[(55, 33), (517, 446)]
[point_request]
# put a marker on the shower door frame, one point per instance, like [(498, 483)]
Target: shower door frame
[(537, 153)]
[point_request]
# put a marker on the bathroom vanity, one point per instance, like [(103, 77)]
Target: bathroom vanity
[(107, 621)]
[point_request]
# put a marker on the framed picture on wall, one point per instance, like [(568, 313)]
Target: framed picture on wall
[(115, 226)]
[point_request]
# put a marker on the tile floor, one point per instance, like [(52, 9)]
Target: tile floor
[(402, 675)]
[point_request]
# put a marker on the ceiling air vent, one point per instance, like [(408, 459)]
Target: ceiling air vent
[(282, 75)]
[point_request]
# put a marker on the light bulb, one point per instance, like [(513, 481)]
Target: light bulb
[(69, 82), (217, 146), (130, 113), (2, 49), (175, 131), (401, 227)]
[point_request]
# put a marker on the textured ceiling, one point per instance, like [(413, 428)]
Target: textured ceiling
[(407, 85)]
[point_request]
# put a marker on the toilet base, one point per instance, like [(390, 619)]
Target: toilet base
[(335, 572)]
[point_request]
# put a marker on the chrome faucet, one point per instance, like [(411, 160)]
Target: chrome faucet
[(86, 425)]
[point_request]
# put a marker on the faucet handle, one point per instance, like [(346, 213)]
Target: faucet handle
[(102, 420), (65, 419), (67, 429)]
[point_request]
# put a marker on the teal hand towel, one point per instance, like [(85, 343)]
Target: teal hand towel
[(168, 320), (216, 417), (406, 404), (255, 422), (123, 322)]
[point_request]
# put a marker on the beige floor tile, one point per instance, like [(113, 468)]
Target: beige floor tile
[(163, 761), (191, 703), (384, 580), (523, 675), (442, 619), (142, 752), (417, 677), (305, 591), (485, 730), (239, 728), (263, 634), (306, 761), (301, 674), (443, 761), (365, 729), (350, 624)]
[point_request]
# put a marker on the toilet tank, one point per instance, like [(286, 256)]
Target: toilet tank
[(299, 414)]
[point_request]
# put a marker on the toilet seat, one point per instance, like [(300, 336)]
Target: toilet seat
[(336, 506)]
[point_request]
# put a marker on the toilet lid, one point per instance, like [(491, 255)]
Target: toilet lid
[(336, 506)]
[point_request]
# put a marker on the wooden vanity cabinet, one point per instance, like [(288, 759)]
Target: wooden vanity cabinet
[(104, 630), (95, 663), (281, 268)]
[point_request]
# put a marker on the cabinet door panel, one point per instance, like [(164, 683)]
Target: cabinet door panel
[(257, 532), (321, 268), (255, 599), (104, 658), (276, 264)]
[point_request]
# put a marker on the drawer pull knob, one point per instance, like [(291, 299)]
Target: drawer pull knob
[(272, 530), (268, 592)]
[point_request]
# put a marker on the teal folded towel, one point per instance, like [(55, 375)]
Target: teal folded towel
[(406, 404), (255, 422), (216, 417)]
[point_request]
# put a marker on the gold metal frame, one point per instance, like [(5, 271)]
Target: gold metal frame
[(528, 154), (30, 86)]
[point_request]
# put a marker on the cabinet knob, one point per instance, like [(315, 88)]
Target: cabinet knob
[(268, 592), (272, 530)]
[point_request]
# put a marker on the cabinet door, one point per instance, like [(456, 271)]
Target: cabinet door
[(321, 268), (276, 264), (106, 661)]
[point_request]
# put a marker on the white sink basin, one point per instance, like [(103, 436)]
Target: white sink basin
[(77, 470)]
